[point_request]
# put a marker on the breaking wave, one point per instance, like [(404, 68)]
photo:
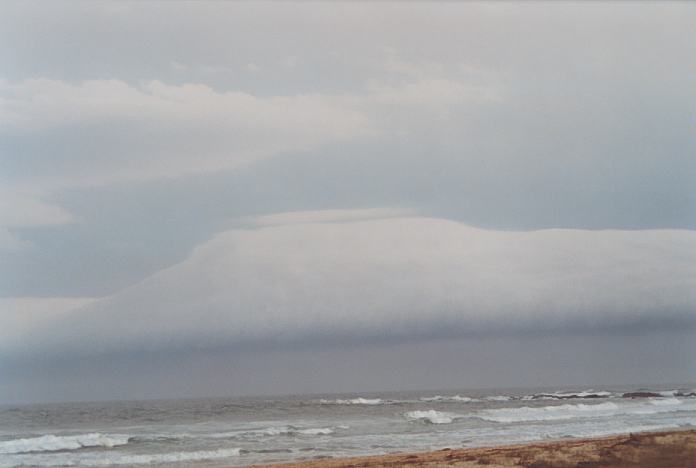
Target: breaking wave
[(51, 443), (454, 398), (291, 430), (274, 431), (498, 398), (172, 457), (114, 458), (430, 416), (355, 401), (664, 405), (547, 413), (568, 395), (665, 401), (568, 411)]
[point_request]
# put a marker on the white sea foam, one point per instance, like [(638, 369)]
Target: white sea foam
[(316, 431), (456, 398), (272, 431), (547, 413), (666, 405), (498, 398), (172, 457), (115, 458), (354, 401), (430, 416), (50, 442), (665, 401), (621, 429), (568, 411)]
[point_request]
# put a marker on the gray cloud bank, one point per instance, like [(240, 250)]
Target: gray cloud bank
[(399, 277)]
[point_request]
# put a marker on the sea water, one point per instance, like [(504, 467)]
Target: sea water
[(241, 431)]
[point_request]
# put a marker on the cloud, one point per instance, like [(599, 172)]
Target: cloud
[(328, 216), (433, 92), (61, 135), (21, 208), (160, 130), (431, 83), (20, 315), (178, 66), (9, 241), (100, 131), (25, 306), (386, 279)]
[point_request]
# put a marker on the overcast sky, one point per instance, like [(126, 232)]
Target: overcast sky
[(226, 198)]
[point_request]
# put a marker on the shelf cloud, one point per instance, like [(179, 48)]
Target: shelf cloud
[(252, 180), (386, 278)]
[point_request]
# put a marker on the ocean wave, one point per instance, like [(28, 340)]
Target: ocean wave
[(115, 458), (51, 443), (316, 431), (665, 401), (547, 413), (678, 393), (292, 430), (571, 411), (624, 429), (498, 398), (355, 401), (564, 395), (663, 405), (454, 398), (172, 457), (430, 416), (274, 431)]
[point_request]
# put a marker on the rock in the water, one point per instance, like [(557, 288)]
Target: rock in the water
[(640, 395)]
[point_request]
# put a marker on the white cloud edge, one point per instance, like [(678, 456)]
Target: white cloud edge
[(273, 124), (327, 216), (22, 208), (278, 124)]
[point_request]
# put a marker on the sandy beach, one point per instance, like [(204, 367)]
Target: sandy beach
[(649, 450)]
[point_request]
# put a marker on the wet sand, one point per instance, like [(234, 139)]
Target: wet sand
[(645, 450)]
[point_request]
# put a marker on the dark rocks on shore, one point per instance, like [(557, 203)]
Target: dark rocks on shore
[(640, 395)]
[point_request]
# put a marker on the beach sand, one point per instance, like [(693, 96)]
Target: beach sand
[(649, 450)]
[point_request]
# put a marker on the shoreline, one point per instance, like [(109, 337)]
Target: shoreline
[(670, 448)]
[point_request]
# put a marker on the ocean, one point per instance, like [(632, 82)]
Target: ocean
[(240, 431)]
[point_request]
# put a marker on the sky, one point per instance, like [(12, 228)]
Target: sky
[(252, 198)]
